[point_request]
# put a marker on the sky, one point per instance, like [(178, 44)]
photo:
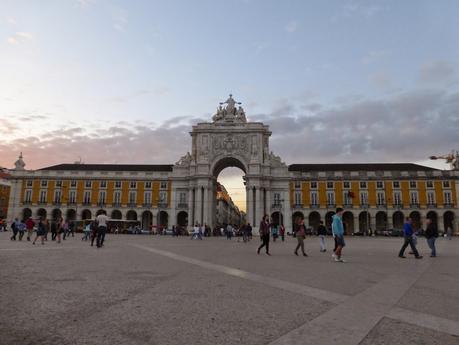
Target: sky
[(123, 81)]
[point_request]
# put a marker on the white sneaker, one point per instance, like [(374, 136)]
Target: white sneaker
[(333, 255), (338, 260)]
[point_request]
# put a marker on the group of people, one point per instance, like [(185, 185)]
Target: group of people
[(299, 231), (59, 229)]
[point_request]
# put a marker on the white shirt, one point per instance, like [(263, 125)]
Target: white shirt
[(102, 220)]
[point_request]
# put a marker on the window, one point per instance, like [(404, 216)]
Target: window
[(412, 184), (88, 184), (182, 198), (414, 198), (29, 183), (313, 185), (379, 184), (102, 197), (363, 184), (347, 198), (73, 183), (430, 198), (276, 198), (148, 185), (162, 197), (87, 197), (447, 198), (147, 197), (43, 196), (132, 197), (429, 184), (445, 184), (72, 197), (133, 184), (58, 183), (314, 200), (330, 198), (298, 198), (363, 198), (381, 198), (396, 184), (117, 184), (346, 184), (28, 196), (330, 185), (397, 198), (103, 184), (297, 184), (163, 185), (117, 197), (57, 196), (44, 183)]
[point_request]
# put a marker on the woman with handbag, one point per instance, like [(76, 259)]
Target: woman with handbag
[(300, 232)]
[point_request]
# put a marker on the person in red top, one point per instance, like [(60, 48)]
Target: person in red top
[(29, 226), (264, 234), (300, 233)]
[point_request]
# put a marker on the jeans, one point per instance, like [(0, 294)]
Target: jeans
[(15, 232), (300, 244), (101, 235), (408, 241), (322, 242), (431, 244), (265, 243)]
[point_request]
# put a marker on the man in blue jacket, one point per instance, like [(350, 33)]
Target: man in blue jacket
[(408, 240), (338, 233)]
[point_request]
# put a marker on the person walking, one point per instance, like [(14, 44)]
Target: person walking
[(65, 229), (322, 232), (53, 229), (21, 229), (15, 229), (93, 227), (282, 232), (338, 233), (46, 223), (449, 232), (196, 232), (59, 229), (300, 233), (29, 226), (408, 240), (40, 232), (264, 234), (87, 232), (431, 235), (274, 231), (248, 229), (229, 232), (102, 221)]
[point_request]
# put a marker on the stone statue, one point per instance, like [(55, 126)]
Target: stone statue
[(185, 160)]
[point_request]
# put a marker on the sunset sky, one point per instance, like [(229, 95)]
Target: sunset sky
[(123, 81)]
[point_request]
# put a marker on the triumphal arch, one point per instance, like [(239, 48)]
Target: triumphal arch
[(231, 141)]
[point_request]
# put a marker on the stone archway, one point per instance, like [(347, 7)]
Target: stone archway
[(296, 216), (381, 220), (26, 213), (314, 220), (364, 221), (163, 219), (56, 214), (147, 220), (432, 215), (416, 220), (182, 219), (448, 220), (41, 213), (348, 221), (398, 218), (329, 219), (86, 214), (71, 214), (116, 214)]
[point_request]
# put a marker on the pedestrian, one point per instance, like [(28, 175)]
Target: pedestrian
[(40, 231), (408, 240), (21, 229), (93, 228), (29, 226), (248, 229), (338, 233), (15, 229), (264, 234), (282, 232), (59, 229), (53, 229), (449, 232), (196, 232), (300, 233), (275, 231), (65, 229), (102, 221), (431, 235), (87, 232), (46, 223), (322, 232), (229, 232)]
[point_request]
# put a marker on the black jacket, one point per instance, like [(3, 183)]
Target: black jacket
[(431, 231), (322, 230)]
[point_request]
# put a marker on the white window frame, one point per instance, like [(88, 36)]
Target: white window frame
[(346, 197), (363, 185), (117, 197), (88, 184), (380, 184), (363, 198), (430, 197), (147, 197), (102, 197), (381, 198), (87, 197), (396, 184), (313, 185), (72, 196), (447, 198), (348, 185), (314, 199), (414, 198), (330, 185), (397, 198), (297, 198), (118, 184), (103, 184), (148, 185), (43, 196), (413, 184), (57, 196), (133, 184), (132, 197), (330, 198), (28, 195), (431, 184)]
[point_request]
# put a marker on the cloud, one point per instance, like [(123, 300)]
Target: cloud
[(437, 72), (85, 3), (291, 26), (120, 19), (405, 126), (19, 37), (381, 80), (373, 56)]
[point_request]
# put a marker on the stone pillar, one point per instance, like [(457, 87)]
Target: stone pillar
[(14, 201), (259, 206), (190, 207), (286, 210), (390, 223)]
